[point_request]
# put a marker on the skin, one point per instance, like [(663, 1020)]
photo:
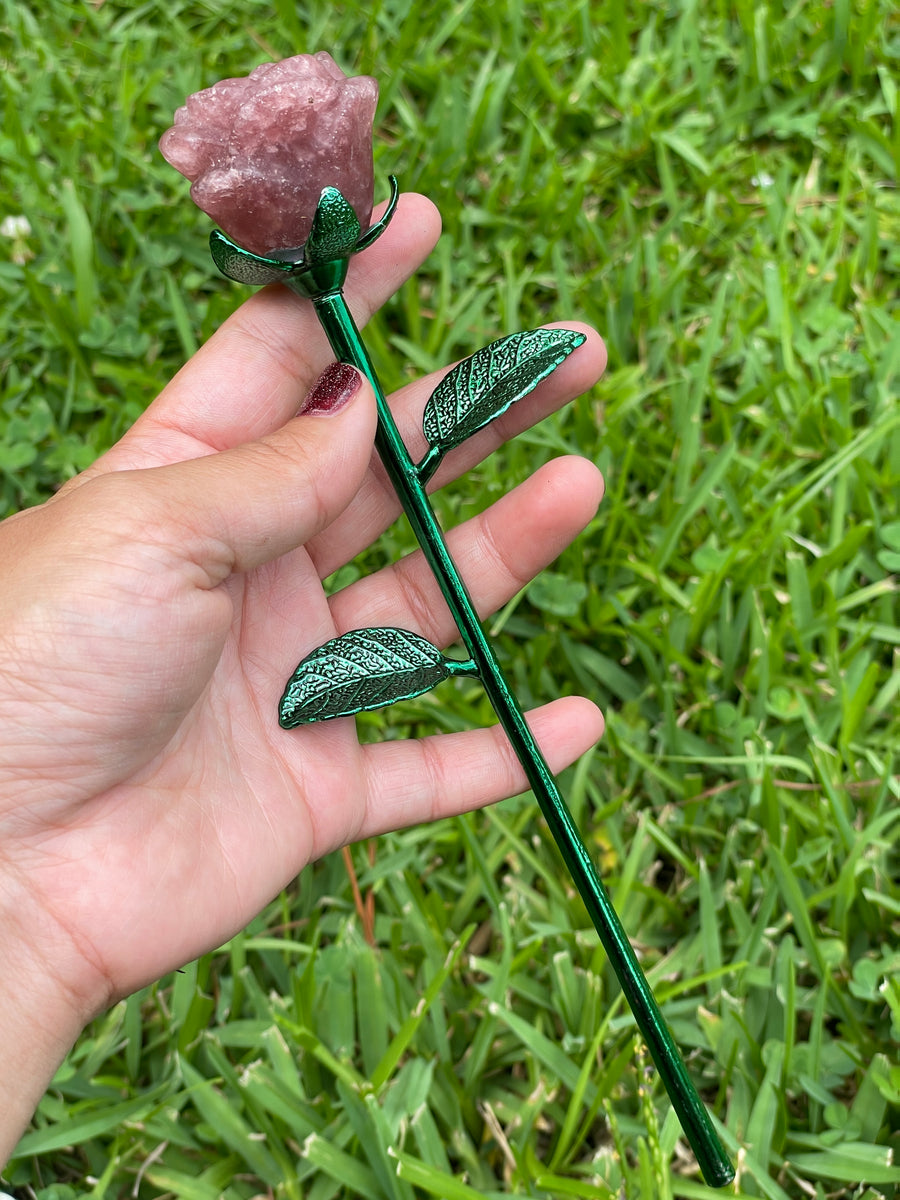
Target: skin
[(150, 805)]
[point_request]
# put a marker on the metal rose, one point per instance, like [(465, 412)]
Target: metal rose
[(260, 149)]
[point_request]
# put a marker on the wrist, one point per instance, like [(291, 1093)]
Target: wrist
[(40, 1019)]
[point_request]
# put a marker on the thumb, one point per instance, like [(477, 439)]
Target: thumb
[(239, 508)]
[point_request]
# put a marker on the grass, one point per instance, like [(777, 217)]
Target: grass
[(715, 187)]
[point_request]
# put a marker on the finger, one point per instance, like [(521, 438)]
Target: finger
[(243, 507), (497, 553), (250, 377), (376, 505), (452, 773)]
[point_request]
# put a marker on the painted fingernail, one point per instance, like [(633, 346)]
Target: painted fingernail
[(335, 387)]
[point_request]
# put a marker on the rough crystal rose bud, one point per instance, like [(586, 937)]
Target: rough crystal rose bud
[(259, 150)]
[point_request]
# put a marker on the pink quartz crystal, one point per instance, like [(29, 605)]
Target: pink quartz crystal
[(259, 150)]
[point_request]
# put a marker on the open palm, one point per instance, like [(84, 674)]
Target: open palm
[(150, 805)]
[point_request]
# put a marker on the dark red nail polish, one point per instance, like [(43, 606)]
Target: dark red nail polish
[(337, 384)]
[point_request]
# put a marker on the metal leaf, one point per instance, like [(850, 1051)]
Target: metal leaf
[(359, 671), (335, 228), (375, 231), (242, 266), (485, 385)]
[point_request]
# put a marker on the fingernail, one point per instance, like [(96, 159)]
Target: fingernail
[(335, 387)]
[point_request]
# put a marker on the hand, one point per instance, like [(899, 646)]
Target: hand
[(150, 613)]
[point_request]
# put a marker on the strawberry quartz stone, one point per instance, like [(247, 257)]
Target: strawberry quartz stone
[(259, 150)]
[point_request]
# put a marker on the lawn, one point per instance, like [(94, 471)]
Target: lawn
[(715, 188)]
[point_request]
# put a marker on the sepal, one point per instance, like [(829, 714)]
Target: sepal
[(245, 267), (335, 229)]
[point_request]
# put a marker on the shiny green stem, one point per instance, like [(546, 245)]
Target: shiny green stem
[(348, 347)]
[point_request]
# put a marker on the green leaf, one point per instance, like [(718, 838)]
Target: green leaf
[(371, 1007), (485, 385), (851, 1162), (185, 1187), (559, 1185), (407, 1030), (557, 594), (242, 266), (84, 1126), (429, 1179), (687, 151), (219, 1111), (359, 671), (81, 241), (339, 1165), (545, 1051)]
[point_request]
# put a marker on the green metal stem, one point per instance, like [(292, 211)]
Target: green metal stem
[(348, 346)]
